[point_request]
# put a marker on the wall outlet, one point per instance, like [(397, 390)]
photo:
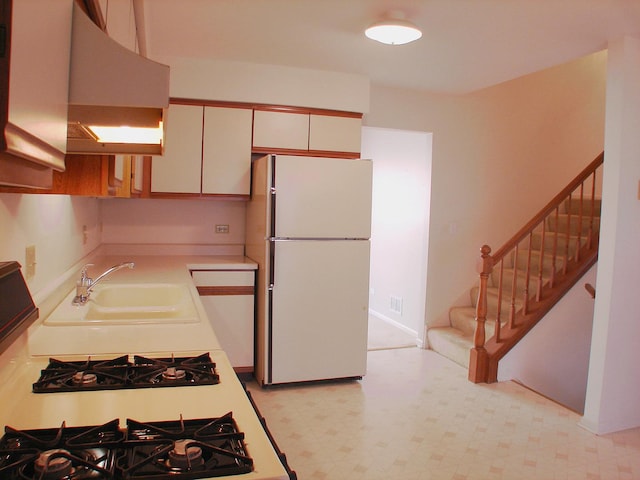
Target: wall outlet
[(30, 261), (222, 228)]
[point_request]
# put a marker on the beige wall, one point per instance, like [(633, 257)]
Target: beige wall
[(501, 152), (54, 224), (172, 222)]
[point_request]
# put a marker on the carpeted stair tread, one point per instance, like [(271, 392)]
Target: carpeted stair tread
[(574, 223), (464, 319), (451, 343), (587, 206)]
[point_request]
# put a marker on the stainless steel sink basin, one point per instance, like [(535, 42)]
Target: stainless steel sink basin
[(133, 303)]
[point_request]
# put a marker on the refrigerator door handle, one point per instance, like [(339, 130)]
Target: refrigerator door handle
[(272, 263), (272, 275)]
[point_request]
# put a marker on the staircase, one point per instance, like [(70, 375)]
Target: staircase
[(524, 279)]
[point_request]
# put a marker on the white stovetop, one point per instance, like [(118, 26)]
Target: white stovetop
[(21, 364)]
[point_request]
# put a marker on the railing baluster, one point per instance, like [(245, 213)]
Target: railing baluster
[(541, 261), (527, 276), (593, 208), (567, 237), (554, 264), (514, 284), (499, 312), (580, 214)]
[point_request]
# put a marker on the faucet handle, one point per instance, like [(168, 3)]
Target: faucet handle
[(84, 277)]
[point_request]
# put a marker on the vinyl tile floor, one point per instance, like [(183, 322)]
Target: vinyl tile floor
[(383, 335), (415, 416)]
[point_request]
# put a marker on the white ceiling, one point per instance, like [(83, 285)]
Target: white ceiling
[(466, 44)]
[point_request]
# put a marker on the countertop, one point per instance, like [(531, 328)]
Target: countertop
[(95, 339)]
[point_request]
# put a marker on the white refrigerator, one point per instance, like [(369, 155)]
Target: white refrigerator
[(308, 228)]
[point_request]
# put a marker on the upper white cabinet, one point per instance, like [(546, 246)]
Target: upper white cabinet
[(280, 130), (34, 74), (226, 159), (179, 169), (336, 134), (207, 151), (275, 131)]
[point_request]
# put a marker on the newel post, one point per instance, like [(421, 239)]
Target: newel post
[(478, 360)]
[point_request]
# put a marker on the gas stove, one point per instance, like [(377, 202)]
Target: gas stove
[(177, 450), (119, 373)]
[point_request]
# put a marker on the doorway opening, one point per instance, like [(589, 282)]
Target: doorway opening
[(399, 234)]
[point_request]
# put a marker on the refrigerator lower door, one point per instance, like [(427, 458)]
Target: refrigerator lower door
[(319, 315)]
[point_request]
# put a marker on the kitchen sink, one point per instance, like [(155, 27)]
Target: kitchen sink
[(144, 295), (133, 303)]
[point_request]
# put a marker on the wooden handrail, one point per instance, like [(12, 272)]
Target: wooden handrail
[(528, 305)]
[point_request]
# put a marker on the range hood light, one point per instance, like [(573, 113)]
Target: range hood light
[(124, 134)]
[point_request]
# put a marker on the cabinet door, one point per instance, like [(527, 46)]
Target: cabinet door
[(179, 169), (336, 134), (226, 157), (228, 299), (280, 130)]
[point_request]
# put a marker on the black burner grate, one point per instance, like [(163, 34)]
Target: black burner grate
[(119, 373), (175, 450)]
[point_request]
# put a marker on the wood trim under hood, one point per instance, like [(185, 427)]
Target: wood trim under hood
[(111, 85)]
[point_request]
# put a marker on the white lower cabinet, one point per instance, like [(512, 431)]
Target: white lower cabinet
[(228, 297)]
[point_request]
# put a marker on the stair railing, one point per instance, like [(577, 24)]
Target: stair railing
[(523, 308)]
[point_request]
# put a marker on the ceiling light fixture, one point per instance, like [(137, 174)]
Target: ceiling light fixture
[(396, 30)]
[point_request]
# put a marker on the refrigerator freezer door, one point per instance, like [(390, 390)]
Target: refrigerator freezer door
[(320, 310), (322, 197)]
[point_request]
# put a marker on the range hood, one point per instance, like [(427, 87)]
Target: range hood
[(110, 85)]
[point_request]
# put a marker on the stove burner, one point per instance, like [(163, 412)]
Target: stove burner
[(53, 464), (85, 379), (173, 373), (199, 448), (186, 454), (65, 453)]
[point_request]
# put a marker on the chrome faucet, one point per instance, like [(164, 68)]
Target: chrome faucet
[(85, 285)]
